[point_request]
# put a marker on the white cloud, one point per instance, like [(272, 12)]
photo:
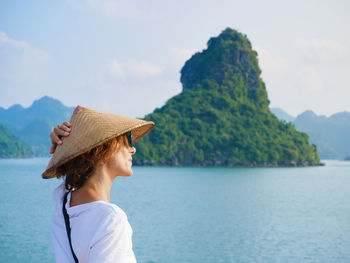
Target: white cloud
[(131, 68), (310, 79), (275, 68), (108, 8), (320, 48), (116, 69), (20, 62), (114, 8), (5, 40), (183, 54), (269, 60), (142, 68), (23, 71)]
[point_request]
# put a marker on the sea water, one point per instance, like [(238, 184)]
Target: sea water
[(196, 214)]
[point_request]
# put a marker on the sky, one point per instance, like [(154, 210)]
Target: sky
[(125, 56)]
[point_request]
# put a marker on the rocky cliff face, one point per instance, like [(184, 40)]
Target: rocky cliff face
[(228, 56)]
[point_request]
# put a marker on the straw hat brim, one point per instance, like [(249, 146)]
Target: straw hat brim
[(91, 128)]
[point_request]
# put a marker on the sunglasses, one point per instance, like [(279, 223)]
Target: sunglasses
[(129, 136)]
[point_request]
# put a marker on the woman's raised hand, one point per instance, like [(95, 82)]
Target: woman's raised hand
[(63, 129)]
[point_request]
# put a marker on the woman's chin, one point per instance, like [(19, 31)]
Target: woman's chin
[(127, 174)]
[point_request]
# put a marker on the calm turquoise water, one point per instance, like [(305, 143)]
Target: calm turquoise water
[(197, 214)]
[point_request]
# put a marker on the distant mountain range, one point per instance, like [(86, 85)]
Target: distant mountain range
[(331, 134), (282, 115), (33, 124)]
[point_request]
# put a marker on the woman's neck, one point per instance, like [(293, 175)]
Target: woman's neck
[(96, 188)]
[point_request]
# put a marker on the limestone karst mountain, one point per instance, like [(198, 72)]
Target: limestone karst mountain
[(222, 117)]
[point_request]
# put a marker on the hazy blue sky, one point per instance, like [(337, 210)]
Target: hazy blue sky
[(125, 56)]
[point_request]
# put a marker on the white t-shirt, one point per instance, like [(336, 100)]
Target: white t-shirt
[(100, 232)]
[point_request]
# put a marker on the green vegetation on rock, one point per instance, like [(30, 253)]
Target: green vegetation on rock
[(11, 146), (222, 118)]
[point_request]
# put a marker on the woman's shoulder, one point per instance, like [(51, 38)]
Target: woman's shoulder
[(98, 211), (110, 217), (107, 209), (101, 216)]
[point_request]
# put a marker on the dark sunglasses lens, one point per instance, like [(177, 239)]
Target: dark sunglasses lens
[(128, 134)]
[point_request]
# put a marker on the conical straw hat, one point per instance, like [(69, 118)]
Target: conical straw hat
[(91, 128)]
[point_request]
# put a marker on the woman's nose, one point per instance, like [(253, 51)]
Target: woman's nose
[(132, 150)]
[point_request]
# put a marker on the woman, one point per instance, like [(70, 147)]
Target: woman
[(90, 152)]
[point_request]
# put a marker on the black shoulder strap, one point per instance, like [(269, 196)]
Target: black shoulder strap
[(66, 220)]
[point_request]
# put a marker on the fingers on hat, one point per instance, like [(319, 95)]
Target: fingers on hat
[(67, 123), (53, 148), (64, 127), (61, 131)]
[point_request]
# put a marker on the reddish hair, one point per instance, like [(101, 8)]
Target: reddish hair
[(78, 170)]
